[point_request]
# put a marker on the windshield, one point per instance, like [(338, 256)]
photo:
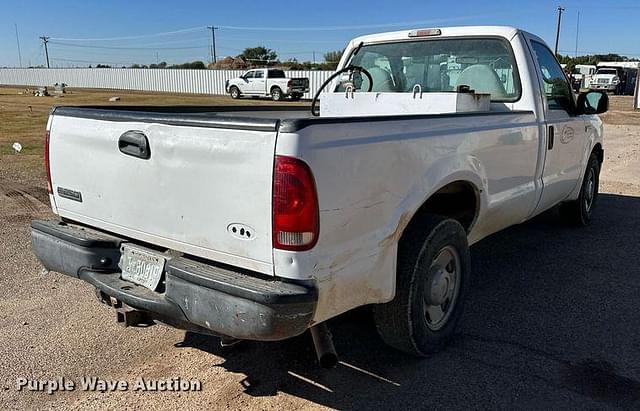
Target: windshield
[(485, 65), (608, 71)]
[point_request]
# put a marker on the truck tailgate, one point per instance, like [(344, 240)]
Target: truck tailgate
[(204, 190)]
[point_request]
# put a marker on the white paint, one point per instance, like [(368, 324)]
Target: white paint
[(346, 104), (371, 177), (197, 181)]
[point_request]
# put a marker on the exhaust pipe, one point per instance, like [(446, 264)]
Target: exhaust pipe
[(323, 343)]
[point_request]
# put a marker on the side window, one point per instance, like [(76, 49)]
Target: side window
[(249, 74), (556, 88), (259, 74)]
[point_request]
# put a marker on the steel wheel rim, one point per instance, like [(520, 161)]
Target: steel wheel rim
[(234, 93), (589, 192), (442, 286)]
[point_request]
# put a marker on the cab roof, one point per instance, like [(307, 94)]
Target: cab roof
[(499, 31)]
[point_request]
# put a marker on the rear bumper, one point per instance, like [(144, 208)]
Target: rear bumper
[(297, 90), (197, 295)]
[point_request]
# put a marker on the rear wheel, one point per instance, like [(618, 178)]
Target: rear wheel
[(234, 92), (578, 212), (276, 94), (432, 281)]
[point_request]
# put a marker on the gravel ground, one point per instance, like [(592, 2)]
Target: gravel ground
[(552, 322)]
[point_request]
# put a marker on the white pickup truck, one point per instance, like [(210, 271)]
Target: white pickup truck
[(607, 79), (259, 224), (267, 83)]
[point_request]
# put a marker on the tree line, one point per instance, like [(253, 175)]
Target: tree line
[(254, 57), (591, 59)]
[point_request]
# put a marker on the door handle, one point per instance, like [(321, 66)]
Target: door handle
[(551, 137), (134, 143)]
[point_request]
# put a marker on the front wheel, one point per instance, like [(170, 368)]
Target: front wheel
[(276, 94), (578, 212), (432, 280)]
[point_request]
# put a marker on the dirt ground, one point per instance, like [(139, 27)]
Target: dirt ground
[(553, 319)]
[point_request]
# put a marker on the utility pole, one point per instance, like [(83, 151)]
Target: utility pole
[(45, 40), (314, 57), (560, 10), (18, 43), (214, 57)]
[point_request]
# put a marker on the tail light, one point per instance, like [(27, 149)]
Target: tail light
[(296, 222), (289, 83), (47, 164)]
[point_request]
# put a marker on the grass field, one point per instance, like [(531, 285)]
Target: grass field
[(23, 118)]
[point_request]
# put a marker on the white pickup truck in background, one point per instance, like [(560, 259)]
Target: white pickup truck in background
[(607, 79), (267, 82), (259, 224)]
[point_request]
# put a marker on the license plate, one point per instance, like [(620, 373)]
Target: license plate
[(141, 266)]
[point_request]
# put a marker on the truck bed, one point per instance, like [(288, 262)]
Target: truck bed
[(259, 118)]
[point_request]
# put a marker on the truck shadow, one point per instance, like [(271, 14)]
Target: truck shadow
[(552, 319)]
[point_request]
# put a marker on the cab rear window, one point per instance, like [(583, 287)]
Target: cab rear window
[(486, 65)]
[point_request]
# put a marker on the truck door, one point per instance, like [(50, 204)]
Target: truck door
[(260, 82), (564, 131), (248, 78)]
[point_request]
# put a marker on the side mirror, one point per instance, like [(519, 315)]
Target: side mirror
[(593, 102)]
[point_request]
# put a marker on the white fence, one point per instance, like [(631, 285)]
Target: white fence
[(164, 80)]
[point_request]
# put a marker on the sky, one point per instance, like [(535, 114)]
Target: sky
[(122, 32)]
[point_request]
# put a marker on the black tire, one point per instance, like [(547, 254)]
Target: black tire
[(403, 323), (234, 92), (276, 94), (578, 212)]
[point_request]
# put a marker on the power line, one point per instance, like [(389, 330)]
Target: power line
[(89, 61), (352, 27), (252, 28), (282, 40), (141, 36), (126, 48)]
